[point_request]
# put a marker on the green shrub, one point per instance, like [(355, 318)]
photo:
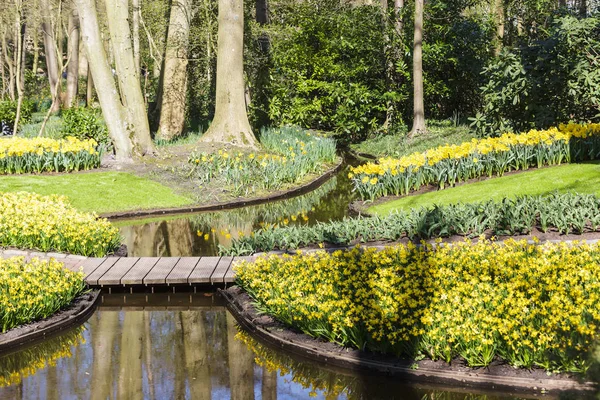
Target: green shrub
[(85, 123), (8, 112), (564, 213)]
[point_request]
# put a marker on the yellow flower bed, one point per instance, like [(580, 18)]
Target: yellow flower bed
[(532, 305), (50, 223), (34, 290), (446, 165), (23, 155)]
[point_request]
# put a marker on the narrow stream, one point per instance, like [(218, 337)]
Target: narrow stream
[(186, 347), (200, 234)]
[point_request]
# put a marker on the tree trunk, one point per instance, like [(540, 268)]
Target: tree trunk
[(269, 384), (3, 73), (89, 93), (172, 109), (230, 124), (131, 93), (196, 355), (499, 11), (112, 110), (19, 31), (135, 27), (418, 101), (262, 15), (398, 6), (9, 64), (51, 52), (73, 67), (104, 328), (36, 42)]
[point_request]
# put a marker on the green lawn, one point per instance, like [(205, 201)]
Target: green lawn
[(98, 191), (581, 178)]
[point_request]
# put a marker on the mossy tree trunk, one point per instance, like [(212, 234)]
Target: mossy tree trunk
[(230, 124), (173, 107)]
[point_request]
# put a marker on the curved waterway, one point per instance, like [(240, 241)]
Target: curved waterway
[(186, 346), (200, 234)]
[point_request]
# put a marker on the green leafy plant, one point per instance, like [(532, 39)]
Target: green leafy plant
[(85, 123)]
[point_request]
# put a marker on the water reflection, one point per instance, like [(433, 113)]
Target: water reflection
[(202, 233), (191, 352)]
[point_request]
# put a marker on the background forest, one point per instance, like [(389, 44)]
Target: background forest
[(333, 65)]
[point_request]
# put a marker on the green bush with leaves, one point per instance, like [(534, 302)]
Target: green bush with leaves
[(8, 112), (85, 123), (563, 213), (550, 81)]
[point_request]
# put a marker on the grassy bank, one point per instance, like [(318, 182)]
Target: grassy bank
[(579, 178), (100, 192)]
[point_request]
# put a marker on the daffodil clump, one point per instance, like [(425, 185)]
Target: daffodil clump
[(34, 290), (23, 155), (563, 213), (446, 165), (528, 304), (292, 153), (15, 367), (50, 223)]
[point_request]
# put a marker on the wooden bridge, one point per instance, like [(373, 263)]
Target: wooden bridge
[(156, 271), (127, 272)]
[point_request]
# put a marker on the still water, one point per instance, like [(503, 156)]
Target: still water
[(201, 234), (185, 347)]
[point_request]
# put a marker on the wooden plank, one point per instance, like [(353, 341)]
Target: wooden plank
[(113, 276), (182, 270), (92, 278), (72, 264), (90, 265), (138, 272), (203, 271), (230, 274), (158, 274), (218, 276)]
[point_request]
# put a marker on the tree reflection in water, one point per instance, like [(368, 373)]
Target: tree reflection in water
[(184, 352)]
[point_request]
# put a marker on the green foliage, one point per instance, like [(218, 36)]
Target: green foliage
[(328, 68), (8, 112), (85, 123), (564, 213), (550, 81)]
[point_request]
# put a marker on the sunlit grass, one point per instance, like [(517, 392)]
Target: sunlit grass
[(101, 192), (580, 178)]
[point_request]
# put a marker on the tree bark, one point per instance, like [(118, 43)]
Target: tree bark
[(73, 67), (262, 15), (3, 73), (135, 27), (398, 6), (230, 123), (51, 52), (19, 31), (36, 41), (9, 64), (499, 11), (89, 93), (172, 109), (131, 93), (418, 101), (116, 120)]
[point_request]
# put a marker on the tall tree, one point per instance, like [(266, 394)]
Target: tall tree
[(230, 123), (49, 32), (19, 33), (117, 12), (73, 67), (119, 127), (418, 92), (174, 93)]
